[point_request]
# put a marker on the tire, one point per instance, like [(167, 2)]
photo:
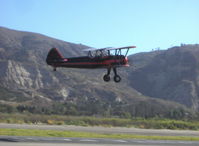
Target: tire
[(106, 78), (117, 79)]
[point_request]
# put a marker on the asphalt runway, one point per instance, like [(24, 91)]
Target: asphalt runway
[(111, 130), (57, 141)]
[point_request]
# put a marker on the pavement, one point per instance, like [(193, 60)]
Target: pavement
[(58, 141), (109, 130)]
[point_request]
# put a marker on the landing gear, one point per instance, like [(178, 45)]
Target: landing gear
[(107, 76), (116, 77)]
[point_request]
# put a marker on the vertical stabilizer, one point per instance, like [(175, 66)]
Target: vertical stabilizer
[(53, 55)]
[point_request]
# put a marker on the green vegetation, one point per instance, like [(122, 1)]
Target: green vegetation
[(101, 108), (155, 123), (56, 133), (7, 95)]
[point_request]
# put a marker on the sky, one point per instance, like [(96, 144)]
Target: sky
[(147, 24)]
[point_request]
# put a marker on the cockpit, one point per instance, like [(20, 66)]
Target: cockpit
[(99, 53)]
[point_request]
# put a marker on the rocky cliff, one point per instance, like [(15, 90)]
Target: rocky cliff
[(172, 75)]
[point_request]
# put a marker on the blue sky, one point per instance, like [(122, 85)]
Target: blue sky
[(148, 24)]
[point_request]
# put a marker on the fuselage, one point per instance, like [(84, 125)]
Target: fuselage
[(89, 62)]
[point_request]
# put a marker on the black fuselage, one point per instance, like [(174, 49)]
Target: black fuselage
[(88, 62)]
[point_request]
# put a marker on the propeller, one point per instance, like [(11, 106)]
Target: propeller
[(131, 63)]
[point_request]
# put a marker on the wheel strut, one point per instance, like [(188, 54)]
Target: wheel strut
[(107, 76), (116, 78)]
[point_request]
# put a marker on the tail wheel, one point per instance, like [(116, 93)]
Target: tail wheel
[(106, 78), (117, 78)]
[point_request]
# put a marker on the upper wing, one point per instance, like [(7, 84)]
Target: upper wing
[(128, 47), (96, 49), (109, 48)]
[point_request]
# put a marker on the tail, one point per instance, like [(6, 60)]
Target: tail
[(53, 55)]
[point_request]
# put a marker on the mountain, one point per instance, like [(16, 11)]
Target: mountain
[(29, 84), (172, 75)]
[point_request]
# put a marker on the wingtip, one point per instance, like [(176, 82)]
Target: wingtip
[(132, 46)]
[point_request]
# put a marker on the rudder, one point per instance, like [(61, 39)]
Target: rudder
[(53, 55)]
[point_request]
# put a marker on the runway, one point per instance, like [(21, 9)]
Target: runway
[(107, 130), (57, 141)]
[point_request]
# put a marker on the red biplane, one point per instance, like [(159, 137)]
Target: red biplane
[(109, 58)]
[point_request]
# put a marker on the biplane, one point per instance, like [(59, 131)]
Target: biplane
[(109, 58)]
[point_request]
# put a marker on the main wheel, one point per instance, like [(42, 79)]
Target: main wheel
[(106, 78), (117, 78)]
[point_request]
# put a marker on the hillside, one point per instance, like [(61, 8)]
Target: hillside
[(28, 84), (172, 75)]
